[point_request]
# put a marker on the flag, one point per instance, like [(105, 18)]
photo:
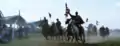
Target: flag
[(49, 15), (67, 10), (97, 23), (87, 20)]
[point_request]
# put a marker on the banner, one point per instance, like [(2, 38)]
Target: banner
[(87, 20), (67, 10), (50, 15), (97, 23)]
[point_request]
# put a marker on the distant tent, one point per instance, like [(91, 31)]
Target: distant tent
[(37, 23), (19, 20)]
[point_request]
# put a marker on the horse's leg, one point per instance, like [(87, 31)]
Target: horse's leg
[(72, 38), (56, 37), (51, 37), (62, 37), (80, 36), (68, 38), (76, 38), (45, 37), (83, 37), (59, 37), (65, 37)]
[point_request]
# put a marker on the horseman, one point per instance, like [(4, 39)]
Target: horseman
[(45, 28), (107, 31), (102, 31), (58, 24), (45, 20), (78, 20)]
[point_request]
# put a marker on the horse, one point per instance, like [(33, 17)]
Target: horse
[(55, 31), (50, 30), (92, 30), (95, 30), (69, 32), (102, 32), (60, 31), (45, 29), (73, 31), (107, 31)]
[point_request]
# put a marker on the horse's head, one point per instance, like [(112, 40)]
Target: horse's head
[(42, 23)]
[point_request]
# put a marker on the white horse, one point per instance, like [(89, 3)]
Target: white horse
[(74, 31)]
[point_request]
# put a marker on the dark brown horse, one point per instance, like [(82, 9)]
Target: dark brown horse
[(51, 31), (104, 32)]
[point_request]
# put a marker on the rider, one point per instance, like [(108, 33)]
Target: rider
[(58, 23), (78, 19), (107, 30), (45, 20)]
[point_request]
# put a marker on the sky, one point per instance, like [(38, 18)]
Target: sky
[(105, 11)]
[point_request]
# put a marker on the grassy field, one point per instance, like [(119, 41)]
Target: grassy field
[(37, 40)]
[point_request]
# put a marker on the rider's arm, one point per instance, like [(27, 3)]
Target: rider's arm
[(72, 16)]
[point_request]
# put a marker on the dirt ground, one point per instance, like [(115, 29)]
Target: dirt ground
[(38, 40)]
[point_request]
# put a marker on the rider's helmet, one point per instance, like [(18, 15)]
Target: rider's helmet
[(44, 17), (76, 13), (57, 19)]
